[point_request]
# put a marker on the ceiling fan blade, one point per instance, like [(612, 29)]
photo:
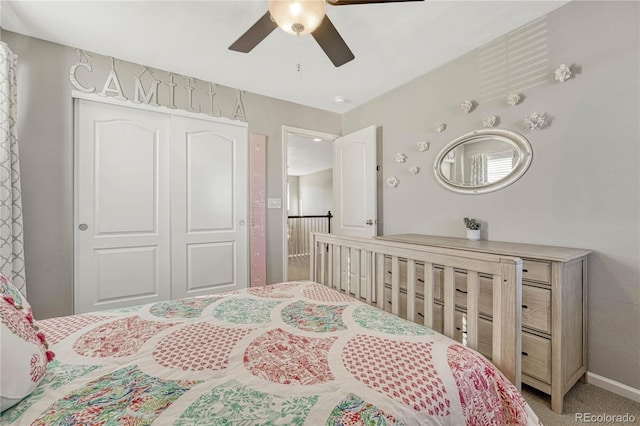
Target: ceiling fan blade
[(350, 2), (254, 35), (332, 43)]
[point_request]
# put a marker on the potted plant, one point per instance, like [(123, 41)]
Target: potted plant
[(473, 228)]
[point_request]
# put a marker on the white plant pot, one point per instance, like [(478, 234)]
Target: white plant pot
[(473, 234)]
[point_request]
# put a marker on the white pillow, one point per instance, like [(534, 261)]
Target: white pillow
[(24, 355)]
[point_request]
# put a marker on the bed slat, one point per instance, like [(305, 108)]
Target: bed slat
[(507, 320), (473, 295), (449, 289), (428, 294), (330, 266), (337, 268), (369, 274), (357, 272), (380, 280), (411, 289), (395, 285)]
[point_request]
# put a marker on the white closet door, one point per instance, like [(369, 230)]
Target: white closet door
[(122, 229), (208, 206)]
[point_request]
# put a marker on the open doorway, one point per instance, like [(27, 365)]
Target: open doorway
[(308, 195)]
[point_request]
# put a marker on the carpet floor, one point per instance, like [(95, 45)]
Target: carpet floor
[(581, 400)]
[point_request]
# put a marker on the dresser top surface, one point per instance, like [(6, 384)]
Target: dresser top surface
[(531, 251)]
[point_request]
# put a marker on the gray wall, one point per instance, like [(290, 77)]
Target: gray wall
[(294, 202), (315, 191), (582, 189), (45, 131)]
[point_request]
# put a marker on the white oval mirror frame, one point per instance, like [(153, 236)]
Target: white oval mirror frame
[(523, 156)]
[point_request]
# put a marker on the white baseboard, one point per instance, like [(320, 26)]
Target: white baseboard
[(613, 386)]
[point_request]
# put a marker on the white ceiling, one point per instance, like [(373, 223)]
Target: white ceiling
[(393, 43), (304, 155)]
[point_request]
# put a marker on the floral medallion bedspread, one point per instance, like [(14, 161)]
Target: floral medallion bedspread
[(286, 354)]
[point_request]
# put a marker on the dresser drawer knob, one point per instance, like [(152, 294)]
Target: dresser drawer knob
[(525, 353), (525, 270), (525, 306)]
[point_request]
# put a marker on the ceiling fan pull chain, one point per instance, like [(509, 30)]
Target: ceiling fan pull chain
[(299, 64)]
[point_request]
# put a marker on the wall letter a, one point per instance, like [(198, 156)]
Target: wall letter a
[(112, 78)]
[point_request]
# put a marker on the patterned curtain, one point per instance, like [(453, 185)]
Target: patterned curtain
[(11, 231)]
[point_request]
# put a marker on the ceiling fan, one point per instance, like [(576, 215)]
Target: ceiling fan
[(300, 17)]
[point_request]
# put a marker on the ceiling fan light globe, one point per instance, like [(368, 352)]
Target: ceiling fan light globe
[(297, 17)]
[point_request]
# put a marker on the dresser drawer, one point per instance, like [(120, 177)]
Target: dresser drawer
[(438, 315), (534, 270), (485, 332), (484, 326), (536, 302), (536, 351), (388, 305), (419, 309), (437, 278), (536, 308), (536, 357), (485, 300)]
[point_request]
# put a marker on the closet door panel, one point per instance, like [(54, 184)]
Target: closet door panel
[(126, 272), (210, 191), (126, 174), (208, 265), (122, 230), (208, 206)]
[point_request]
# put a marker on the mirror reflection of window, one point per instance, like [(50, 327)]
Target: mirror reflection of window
[(499, 165)]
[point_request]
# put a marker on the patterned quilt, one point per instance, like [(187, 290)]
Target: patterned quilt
[(292, 353)]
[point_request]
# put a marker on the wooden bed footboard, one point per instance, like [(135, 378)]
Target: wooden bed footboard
[(337, 261)]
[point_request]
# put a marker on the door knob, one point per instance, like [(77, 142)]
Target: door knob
[(83, 227), (369, 222)]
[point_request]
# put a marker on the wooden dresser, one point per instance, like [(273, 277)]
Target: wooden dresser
[(554, 308)]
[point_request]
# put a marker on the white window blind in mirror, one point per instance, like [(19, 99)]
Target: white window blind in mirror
[(498, 166)]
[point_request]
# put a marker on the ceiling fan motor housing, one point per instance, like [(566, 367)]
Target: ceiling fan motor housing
[(297, 17)]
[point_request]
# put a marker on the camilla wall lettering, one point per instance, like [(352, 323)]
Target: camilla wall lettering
[(149, 95)]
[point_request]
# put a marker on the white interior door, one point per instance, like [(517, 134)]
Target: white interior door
[(209, 206), (122, 231), (354, 184)]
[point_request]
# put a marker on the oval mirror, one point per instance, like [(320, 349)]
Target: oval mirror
[(483, 161)]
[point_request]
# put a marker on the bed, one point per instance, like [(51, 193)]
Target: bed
[(294, 353)]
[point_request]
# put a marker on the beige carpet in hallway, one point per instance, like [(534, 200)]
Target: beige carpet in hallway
[(298, 268)]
